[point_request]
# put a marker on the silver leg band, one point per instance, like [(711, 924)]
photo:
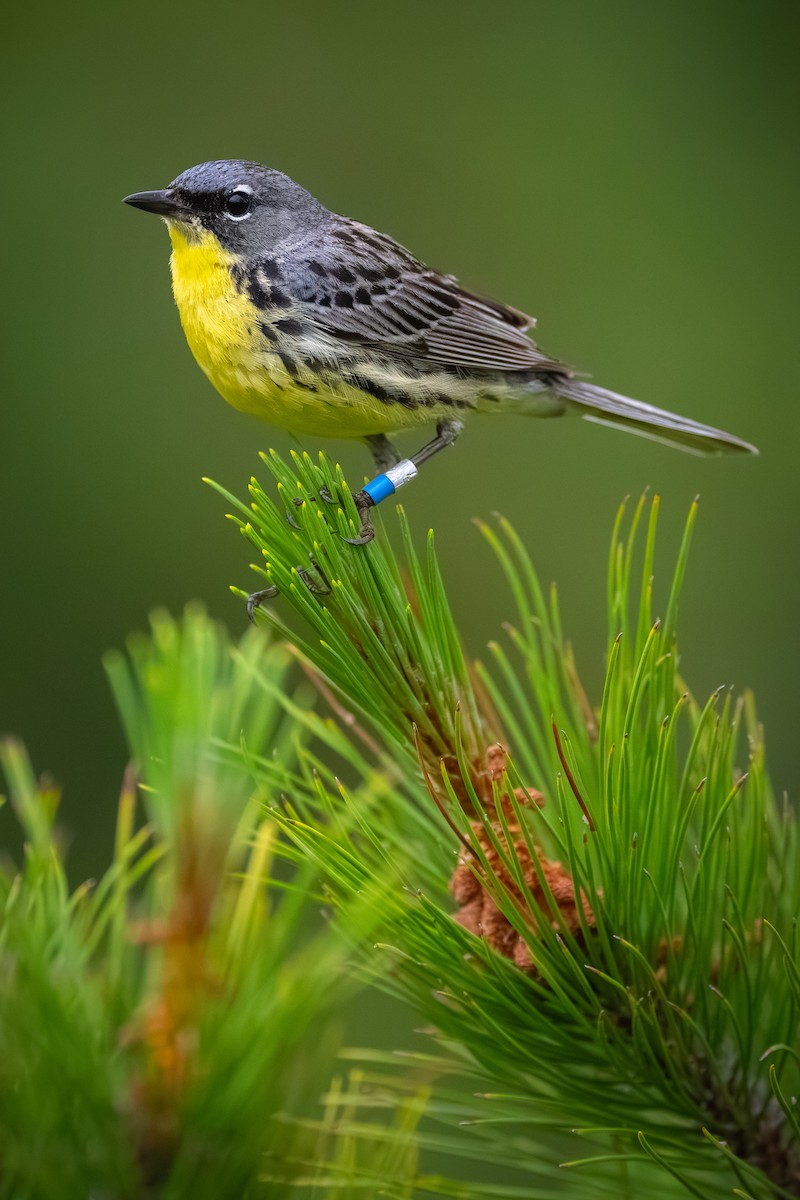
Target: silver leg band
[(402, 472)]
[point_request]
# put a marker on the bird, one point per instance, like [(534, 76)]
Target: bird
[(323, 326)]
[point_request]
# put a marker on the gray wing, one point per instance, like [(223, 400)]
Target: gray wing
[(362, 286)]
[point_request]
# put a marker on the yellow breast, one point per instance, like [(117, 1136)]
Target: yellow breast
[(218, 319)]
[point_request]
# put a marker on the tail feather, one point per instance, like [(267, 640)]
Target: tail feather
[(609, 408)]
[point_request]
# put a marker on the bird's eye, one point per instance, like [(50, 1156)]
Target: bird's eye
[(238, 204)]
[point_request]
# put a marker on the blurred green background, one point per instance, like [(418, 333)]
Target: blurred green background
[(625, 171)]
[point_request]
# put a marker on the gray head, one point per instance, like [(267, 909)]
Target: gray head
[(249, 208)]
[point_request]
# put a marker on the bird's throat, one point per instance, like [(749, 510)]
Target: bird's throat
[(217, 317)]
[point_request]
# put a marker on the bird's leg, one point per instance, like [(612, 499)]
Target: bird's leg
[(387, 483), (446, 434), (395, 471), (384, 454)]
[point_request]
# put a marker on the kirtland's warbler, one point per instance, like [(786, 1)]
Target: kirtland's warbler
[(322, 325)]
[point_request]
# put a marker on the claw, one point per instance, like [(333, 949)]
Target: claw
[(366, 533), (364, 538), (256, 599), (311, 583), (299, 501)]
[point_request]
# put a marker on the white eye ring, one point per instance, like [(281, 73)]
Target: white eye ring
[(239, 213)]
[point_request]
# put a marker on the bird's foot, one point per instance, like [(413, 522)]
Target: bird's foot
[(324, 495), (299, 501), (256, 599), (364, 504), (319, 586)]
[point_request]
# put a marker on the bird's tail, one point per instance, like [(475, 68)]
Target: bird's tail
[(609, 408)]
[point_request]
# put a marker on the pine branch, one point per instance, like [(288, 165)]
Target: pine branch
[(155, 1026), (624, 957)]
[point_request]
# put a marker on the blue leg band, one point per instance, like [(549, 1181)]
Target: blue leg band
[(386, 485)]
